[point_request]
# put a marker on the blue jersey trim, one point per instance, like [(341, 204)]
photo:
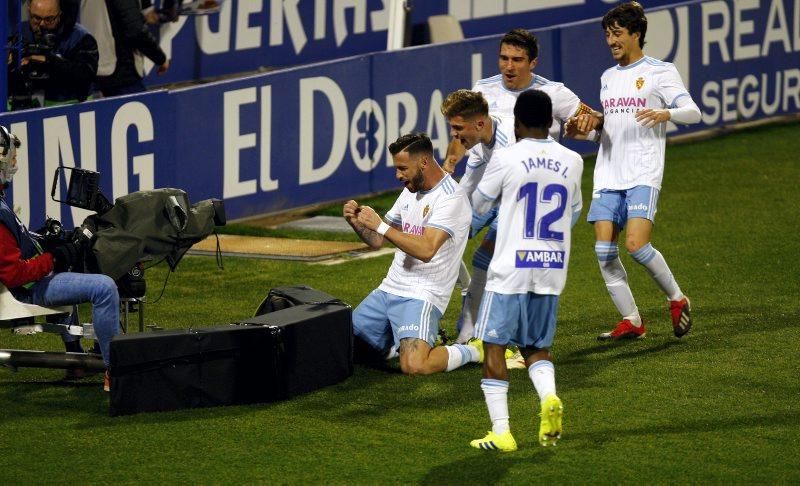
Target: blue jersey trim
[(443, 228), (654, 62), (446, 183), (673, 105), (485, 196), (490, 80), (631, 66)]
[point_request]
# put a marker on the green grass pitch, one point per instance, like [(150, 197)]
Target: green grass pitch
[(719, 406)]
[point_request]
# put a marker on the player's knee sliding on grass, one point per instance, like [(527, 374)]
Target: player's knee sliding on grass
[(391, 324), (429, 224)]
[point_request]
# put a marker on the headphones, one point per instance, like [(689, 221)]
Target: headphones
[(6, 139)]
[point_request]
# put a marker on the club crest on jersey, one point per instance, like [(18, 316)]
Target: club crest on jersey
[(426, 210), (540, 259), (639, 83)]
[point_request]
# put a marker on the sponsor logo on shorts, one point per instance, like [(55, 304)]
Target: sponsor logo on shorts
[(492, 333), (540, 259), (638, 207), (408, 328)]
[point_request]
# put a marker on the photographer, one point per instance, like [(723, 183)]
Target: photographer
[(44, 277), (57, 58)]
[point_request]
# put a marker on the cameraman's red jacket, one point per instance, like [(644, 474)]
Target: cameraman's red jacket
[(14, 271)]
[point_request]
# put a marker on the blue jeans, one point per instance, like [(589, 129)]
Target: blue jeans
[(76, 288)]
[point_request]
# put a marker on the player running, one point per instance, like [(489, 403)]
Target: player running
[(537, 183)]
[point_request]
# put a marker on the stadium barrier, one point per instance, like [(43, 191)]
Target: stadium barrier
[(247, 35), (319, 133)]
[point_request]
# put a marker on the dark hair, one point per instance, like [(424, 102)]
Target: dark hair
[(629, 16), (413, 143), (534, 109), (465, 103), (524, 40)]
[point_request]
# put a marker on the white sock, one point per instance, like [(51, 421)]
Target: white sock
[(460, 354), (543, 376), (653, 261), (393, 353), (496, 394), (617, 281), (471, 304)]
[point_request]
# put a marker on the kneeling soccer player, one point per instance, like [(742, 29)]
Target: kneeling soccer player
[(429, 224)]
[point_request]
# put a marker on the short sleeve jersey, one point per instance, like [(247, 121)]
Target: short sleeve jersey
[(630, 154), (502, 100), (539, 181), (445, 207), (480, 154)]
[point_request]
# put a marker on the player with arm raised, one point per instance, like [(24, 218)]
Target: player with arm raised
[(639, 96), (537, 183), (428, 224)]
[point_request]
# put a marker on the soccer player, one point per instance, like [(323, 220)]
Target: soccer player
[(639, 95), (428, 224), (473, 127), (519, 53), (537, 183)]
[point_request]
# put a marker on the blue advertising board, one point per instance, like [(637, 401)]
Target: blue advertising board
[(482, 17), (318, 133), (248, 35), (122, 138)]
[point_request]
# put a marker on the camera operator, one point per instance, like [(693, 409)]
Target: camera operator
[(58, 57), (44, 277)]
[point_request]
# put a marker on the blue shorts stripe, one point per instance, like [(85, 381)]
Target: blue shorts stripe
[(425, 319), (483, 312)]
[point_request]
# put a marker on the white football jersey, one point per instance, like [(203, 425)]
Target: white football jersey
[(630, 154), (445, 207), (480, 154), (502, 100), (540, 185)]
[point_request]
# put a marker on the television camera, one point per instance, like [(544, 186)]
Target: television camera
[(31, 76), (155, 225)]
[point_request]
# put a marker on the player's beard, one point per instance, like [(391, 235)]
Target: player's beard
[(416, 182)]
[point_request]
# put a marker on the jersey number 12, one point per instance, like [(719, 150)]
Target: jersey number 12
[(542, 231)]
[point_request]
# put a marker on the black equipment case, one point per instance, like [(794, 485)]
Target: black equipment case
[(273, 356)]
